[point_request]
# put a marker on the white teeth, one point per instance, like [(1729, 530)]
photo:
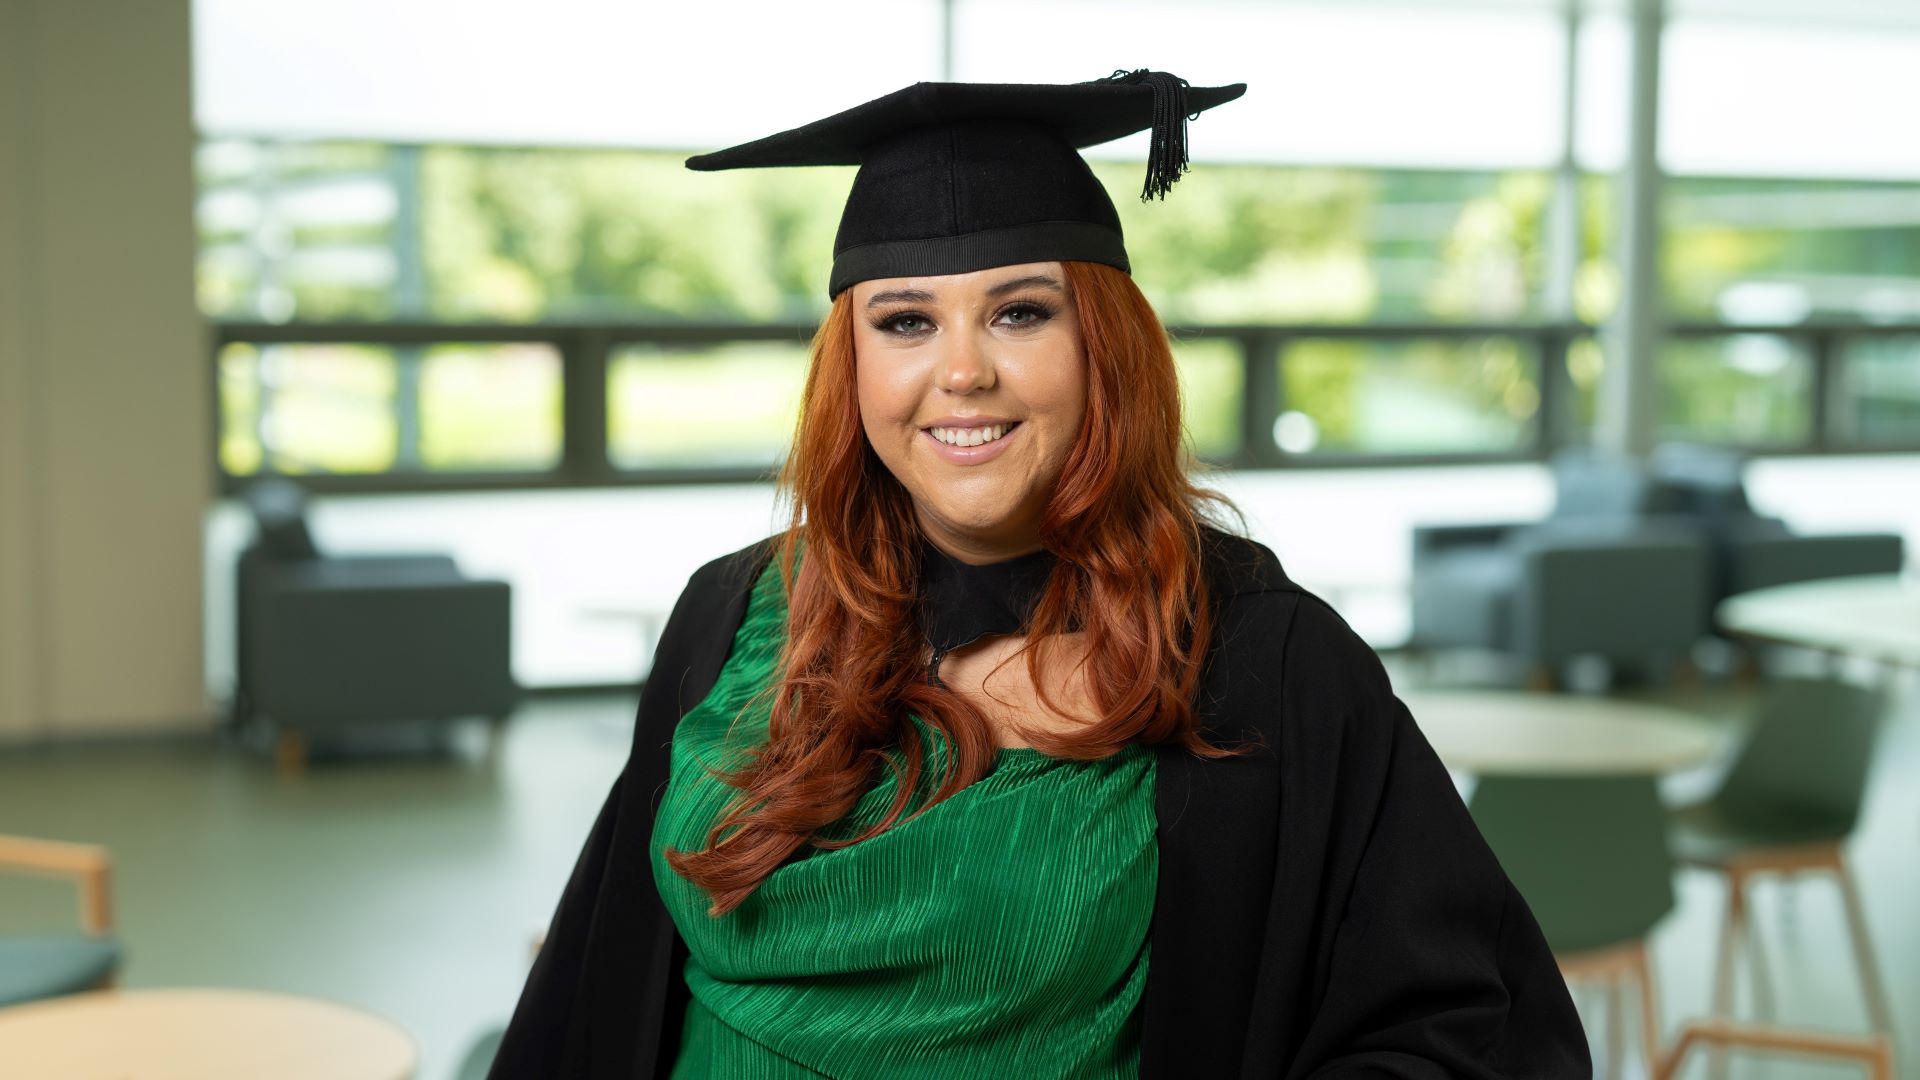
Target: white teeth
[(970, 436)]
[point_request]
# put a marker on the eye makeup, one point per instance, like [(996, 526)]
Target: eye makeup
[(1034, 312)]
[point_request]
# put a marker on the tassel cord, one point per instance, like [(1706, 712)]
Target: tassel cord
[(1167, 151)]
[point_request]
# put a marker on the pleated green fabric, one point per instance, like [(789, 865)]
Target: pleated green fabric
[(1001, 933)]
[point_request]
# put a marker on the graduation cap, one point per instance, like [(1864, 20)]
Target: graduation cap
[(956, 177)]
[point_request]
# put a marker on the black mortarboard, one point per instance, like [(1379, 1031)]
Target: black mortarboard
[(964, 176)]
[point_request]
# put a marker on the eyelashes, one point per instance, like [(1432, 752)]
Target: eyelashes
[(1036, 311), (896, 323), (1029, 313)]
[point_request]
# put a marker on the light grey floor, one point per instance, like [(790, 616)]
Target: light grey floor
[(412, 886)]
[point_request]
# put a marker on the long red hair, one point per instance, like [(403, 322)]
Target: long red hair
[(1124, 521)]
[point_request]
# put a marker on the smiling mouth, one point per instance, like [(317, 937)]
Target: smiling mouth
[(973, 436)]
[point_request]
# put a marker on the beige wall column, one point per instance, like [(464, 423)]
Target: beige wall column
[(104, 388)]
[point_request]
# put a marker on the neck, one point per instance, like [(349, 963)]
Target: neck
[(980, 548), (961, 602)]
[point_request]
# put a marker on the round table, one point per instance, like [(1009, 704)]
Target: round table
[(1538, 734), (1876, 616), (200, 1034)]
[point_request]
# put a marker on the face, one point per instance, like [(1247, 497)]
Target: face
[(972, 391)]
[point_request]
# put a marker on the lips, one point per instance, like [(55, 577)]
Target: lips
[(970, 455), (969, 436)]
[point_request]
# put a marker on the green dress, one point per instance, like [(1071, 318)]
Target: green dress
[(1001, 933)]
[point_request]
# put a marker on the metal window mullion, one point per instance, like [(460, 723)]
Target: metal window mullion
[(1824, 396), (585, 360), (584, 457), (263, 409), (1628, 422), (410, 272), (1562, 232), (1266, 398), (406, 407), (1552, 418)]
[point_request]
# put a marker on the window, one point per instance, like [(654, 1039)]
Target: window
[(1473, 395), (1784, 251), (1741, 389), (1878, 399), (350, 407), (715, 406), (1211, 386), (422, 191)]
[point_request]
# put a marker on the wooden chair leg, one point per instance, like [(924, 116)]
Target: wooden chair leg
[(1649, 1010), (290, 752), (1873, 1051), (1730, 929), (1871, 987), (1790, 907), (1616, 1036), (1757, 970)]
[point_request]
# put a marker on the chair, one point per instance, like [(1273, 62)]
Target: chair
[(1752, 550), (35, 966), (328, 642), (1787, 806), (1610, 553), (1589, 854), (1608, 573)]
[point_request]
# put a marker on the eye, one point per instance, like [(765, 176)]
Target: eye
[(1025, 313), (907, 322)]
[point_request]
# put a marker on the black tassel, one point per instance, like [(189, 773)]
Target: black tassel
[(1167, 154)]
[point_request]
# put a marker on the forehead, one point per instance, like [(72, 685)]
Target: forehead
[(932, 288)]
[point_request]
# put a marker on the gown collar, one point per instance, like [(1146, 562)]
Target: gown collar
[(961, 603)]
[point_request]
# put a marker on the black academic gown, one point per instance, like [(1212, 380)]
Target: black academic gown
[(1326, 909)]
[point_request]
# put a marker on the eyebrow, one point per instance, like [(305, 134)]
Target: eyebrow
[(1017, 284), (900, 296), (921, 296)]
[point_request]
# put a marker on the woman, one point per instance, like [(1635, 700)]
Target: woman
[(1002, 759)]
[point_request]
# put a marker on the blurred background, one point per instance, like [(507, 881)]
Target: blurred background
[(373, 374)]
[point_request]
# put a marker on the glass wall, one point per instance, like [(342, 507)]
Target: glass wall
[(360, 408), (1421, 396), (425, 194), (690, 407)]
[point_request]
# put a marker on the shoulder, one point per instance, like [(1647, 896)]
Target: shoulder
[(1249, 586), (698, 636), (711, 607), (1239, 566), (1269, 624), (731, 576)]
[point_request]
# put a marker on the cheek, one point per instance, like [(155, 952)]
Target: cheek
[(887, 400), (1055, 386)]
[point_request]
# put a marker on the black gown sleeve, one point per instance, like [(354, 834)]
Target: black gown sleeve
[(605, 996), (1434, 968)]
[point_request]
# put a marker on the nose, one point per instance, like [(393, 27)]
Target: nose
[(965, 365)]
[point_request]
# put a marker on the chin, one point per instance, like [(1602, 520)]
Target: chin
[(985, 522)]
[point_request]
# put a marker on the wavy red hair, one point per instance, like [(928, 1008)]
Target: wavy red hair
[(1124, 520)]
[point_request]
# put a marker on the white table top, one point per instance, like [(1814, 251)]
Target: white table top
[(1876, 616), (1522, 732), (199, 1034)]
